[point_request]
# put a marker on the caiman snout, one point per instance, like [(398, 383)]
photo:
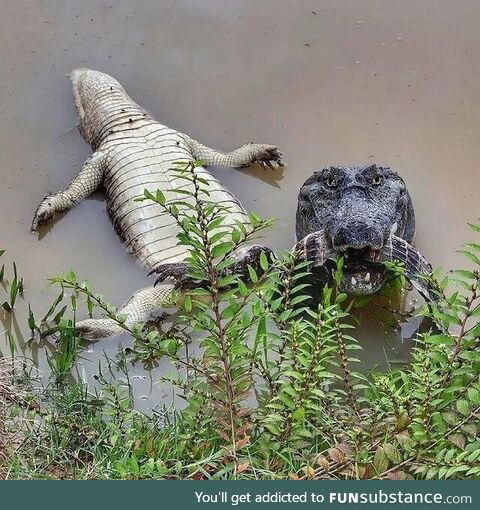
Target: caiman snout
[(357, 237)]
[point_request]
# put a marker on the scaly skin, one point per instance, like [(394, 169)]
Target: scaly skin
[(133, 152), (138, 309), (316, 249)]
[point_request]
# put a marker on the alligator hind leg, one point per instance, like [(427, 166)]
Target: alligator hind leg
[(85, 183), (138, 310), (245, 155), (245, 256)]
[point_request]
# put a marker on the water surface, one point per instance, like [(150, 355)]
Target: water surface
[(329, 82)]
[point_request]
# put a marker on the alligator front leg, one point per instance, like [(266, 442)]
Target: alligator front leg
[(244, 156), (247, 256), (85, 183)]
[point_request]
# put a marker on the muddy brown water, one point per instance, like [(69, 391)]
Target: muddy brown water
[(329, 82)]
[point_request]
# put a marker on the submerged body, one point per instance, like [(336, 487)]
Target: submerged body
[(134, 152)]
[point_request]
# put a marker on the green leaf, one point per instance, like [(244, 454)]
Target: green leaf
[(217, 236), (473, 246), (252, 274), (285, 315), (471, 256), (440, 339), (227, 281), (187, 303), (299, 414), (419, 433), (230, 310), (236, 236), (451, 418), (299, 299), (473, 395), (59, 315), (475, 228), (261, 330), (31, 319), (254, 219), (263, 261), (380, 460), (463, 407), (464, 273), (286, 400), (222, 249), (172, 347), (242, 288), (148, 195), (391, 451), (160, 197), (215, 223), (71, 277), (403, 421)]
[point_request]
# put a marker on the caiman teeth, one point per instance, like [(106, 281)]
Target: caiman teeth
[(367, 278), (353, 281)]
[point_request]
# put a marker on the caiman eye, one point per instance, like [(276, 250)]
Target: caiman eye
[(377, 179)]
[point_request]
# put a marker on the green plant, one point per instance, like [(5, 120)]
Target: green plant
[(275, 390), (15, 287)]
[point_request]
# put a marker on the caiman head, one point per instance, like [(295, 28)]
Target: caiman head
[(358, 210)]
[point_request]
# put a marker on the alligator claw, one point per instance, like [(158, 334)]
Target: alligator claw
[(178, 272), (44, 213), (267, 155)]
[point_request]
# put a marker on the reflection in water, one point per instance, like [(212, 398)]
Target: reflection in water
[(386, 326), (328, 82)]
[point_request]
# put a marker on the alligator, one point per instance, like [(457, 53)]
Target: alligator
[(363, 213), (132, 151)]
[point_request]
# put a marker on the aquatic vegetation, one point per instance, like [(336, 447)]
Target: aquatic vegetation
[(276, 390), (15, 286)]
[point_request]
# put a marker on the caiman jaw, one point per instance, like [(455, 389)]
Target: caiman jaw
[(364, 269), (362, 272), (372, 255)]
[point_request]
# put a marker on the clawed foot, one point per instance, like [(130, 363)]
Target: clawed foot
[(267, 155), (44, 213), (245, 256), (178, 272)]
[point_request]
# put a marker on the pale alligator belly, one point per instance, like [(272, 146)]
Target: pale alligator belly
[(142, 159)]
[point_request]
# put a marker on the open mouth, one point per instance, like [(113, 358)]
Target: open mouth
[(363, 273)]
